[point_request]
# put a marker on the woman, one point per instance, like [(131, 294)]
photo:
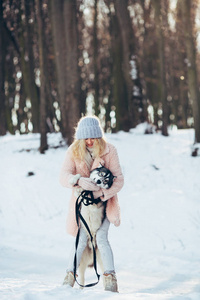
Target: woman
[(88, 150)]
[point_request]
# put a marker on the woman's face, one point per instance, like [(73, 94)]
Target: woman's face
[(89, 142)]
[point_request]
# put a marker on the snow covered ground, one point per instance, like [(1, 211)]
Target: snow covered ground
[(156, 248)]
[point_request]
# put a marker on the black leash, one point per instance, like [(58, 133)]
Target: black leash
[(87, 199)]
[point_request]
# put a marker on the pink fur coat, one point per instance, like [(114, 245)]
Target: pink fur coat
[(71, 171)]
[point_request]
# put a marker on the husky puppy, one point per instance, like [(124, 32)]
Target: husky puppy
[(102, 177), (94, 215)]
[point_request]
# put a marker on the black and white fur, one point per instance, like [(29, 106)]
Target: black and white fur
[(94, 215), (102, 177)]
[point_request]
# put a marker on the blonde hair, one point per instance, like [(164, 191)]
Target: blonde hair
[(79, 148)]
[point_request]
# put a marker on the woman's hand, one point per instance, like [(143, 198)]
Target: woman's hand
[(98, 194), (87, 184)]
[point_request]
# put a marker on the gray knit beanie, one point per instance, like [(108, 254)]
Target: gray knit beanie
[(89, 128)]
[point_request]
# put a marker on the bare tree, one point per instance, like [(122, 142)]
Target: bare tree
[(95, 58), (118, 87), (73, 83), (158, 8), (29, 64), (2, 76), (41, 35), (129, 61), (65, 37), (121, 52), (58, 32), (25, 40), (191, 64)]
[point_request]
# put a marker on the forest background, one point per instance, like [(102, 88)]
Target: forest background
[(127, 61)]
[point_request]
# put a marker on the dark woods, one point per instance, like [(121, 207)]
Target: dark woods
[(126, 61)]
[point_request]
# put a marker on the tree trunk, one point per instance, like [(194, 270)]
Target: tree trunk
[(161, 52), (95, 58), (179, 84), (29, 67), (147, 62), (73, 83), (3, 128), (118, 87), (129, 63), (65, 36), (41, 38), (191, 63), (25, 36), (58, 33), (120, 99)]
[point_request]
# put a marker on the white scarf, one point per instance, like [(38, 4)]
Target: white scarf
[(89, 157)]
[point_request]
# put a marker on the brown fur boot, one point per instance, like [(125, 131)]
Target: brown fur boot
[(69, 279), (110, 282)]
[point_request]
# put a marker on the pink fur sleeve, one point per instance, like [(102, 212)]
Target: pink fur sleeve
[(112, 163), (68, 176)]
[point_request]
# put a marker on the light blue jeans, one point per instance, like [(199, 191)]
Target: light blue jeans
[(103, 246)]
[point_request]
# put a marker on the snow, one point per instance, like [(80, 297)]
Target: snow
[(156, 248)]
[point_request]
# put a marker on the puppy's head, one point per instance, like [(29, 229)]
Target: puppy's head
[(102, 177)]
